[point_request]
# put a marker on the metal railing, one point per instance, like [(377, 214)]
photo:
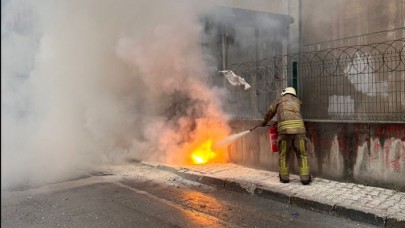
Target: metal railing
[(351, 83)]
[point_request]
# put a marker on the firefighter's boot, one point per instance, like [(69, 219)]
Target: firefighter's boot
[(305, 180), (284, 179)]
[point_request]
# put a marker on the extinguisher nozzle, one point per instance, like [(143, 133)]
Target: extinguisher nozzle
[(255, 127)]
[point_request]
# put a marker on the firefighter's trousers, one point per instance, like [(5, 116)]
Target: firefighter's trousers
[(287, 143)]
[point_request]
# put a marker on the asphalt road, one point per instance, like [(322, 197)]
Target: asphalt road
[(140, 196)]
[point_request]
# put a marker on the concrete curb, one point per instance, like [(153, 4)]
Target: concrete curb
[(293, 199)]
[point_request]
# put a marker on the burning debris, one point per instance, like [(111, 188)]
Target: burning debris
[(203, 153), (207, 151), (200, 150)]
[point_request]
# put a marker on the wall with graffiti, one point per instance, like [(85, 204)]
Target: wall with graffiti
[(366, 153)]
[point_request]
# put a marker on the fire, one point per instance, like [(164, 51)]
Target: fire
[(203, 154), (201, 147)]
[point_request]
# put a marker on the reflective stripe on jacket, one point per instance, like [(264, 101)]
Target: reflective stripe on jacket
[(288, 111)]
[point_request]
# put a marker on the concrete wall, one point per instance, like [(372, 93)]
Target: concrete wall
[(370, 154), (348, 22), (285, 7)]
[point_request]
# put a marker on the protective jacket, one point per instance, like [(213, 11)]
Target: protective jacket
[(288, 111)]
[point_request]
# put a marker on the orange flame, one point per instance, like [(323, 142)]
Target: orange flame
[(201, 149), (203, 154)]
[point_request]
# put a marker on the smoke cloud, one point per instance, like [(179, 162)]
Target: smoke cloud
[(95, 81)]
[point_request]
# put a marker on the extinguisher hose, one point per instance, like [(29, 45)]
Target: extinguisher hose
[(255, 127), (260, 125)]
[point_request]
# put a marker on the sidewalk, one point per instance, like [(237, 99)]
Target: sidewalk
[(378, 206)]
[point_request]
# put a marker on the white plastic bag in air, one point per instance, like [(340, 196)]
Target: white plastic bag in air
[(234, 79)]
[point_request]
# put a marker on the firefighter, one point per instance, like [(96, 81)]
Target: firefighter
[(291, 131)]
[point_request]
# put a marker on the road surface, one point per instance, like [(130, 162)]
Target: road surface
[(136, 195)]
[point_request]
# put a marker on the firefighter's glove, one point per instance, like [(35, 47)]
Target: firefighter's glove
[(263, 124)]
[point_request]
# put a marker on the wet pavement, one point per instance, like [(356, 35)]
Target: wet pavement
[(378, 206), (144, 195)]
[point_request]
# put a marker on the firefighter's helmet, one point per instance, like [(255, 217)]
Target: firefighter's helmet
[(289, 90)]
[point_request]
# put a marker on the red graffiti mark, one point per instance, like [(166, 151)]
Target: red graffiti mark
[(378, 131), (395, 163), (376, 145), (387, 146), (390, 130), (394, 129)]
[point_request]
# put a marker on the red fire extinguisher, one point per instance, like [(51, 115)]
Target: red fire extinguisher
[(273, 137)]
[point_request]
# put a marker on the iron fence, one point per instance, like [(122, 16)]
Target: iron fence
[(351, 83)]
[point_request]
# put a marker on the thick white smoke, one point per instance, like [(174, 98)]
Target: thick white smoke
[(93, 81)]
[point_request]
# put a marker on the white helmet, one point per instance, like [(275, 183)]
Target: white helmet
[(289, 90)]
